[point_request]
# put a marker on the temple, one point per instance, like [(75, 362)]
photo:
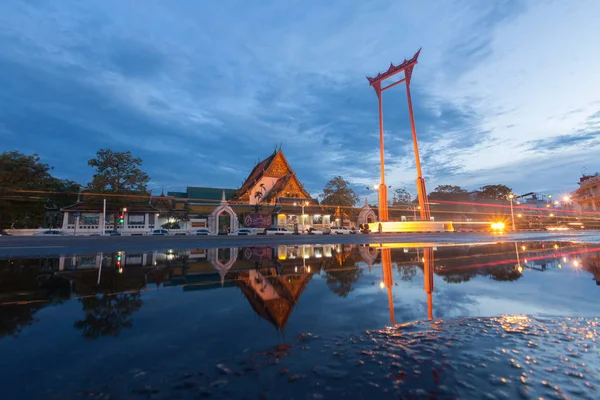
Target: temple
[(271, 195)]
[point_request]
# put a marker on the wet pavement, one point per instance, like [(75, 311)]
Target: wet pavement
[(508, 320), (24, 246)]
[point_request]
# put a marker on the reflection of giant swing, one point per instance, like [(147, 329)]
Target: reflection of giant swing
[(388, 280)]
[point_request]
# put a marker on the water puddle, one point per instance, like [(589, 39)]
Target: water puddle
[(304, 321)]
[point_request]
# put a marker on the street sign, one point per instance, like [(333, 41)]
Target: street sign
[(77, 215)]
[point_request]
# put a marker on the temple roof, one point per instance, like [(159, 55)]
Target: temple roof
[(277, 311), (257, 173), (281, 184)]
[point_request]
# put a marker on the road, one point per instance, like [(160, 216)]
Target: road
[(28, 246)]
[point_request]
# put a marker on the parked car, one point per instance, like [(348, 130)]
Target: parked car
[(2, 233), (52, 232), (277, 231), (158, 232), (200, 231), (108, 232), (342, 230), (244, 231)]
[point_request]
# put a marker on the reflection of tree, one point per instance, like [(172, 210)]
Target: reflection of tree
[(13, 318), (107, 314), (341, 271), (458, 276), (503, 273), (31, 283), (341, 279), (407, 272)]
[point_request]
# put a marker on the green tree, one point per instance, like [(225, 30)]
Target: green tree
[(401, 196), (28, 191), (337, 192), (495, 192), (117, 173), (448, 192)]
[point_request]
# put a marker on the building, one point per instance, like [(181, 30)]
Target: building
[(587, 197), (140, 214), (271, 195)]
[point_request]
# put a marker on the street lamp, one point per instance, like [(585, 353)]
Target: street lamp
[(302, 204), (414, 210), (511, 197), (376, 188)]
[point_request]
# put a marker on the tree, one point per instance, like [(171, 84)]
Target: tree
[(118, 173), (338, 193), (401, 196), (495, 192), (448, 192), (21, 172)]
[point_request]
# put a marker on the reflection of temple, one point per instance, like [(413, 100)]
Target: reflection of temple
[(273, 296), (591, 264)]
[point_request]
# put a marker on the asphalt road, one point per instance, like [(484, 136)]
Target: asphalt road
[(35, 246)]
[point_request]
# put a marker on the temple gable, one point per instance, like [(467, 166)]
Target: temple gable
[(278, 167)]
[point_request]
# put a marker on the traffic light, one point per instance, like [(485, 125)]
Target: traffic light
[(124, 209), (118, 263), (121, 219)]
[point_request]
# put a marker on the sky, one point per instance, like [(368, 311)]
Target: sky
[(505, 92)]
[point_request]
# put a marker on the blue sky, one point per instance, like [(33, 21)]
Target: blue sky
[(504, 92)]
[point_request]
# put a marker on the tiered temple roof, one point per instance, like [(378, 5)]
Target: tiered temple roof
[(286, 183)]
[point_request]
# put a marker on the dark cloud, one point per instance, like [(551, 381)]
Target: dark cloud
[(137, 59)]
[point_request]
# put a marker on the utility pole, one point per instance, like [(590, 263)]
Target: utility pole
[(103, 217), (511, 197)]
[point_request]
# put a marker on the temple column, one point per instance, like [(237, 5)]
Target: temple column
[(65, 220)]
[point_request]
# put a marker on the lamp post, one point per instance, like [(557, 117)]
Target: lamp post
[(511, 197), (414, 209), (302, 204), (377, 188)]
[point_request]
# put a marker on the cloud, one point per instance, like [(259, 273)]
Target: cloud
[(201, 91)]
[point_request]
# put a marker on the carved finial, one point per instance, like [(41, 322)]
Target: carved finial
[(223, 197), (366, 202)]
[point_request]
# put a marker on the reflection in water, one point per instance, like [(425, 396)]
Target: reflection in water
[(337, 328), (341, 270), (108, 285), (388, 280), (107, 314), (428, 267)]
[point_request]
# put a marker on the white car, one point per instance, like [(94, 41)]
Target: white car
[(52, 233), (158, 232), (244, 231), (277, 231), (341, 230), (200, 231)]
